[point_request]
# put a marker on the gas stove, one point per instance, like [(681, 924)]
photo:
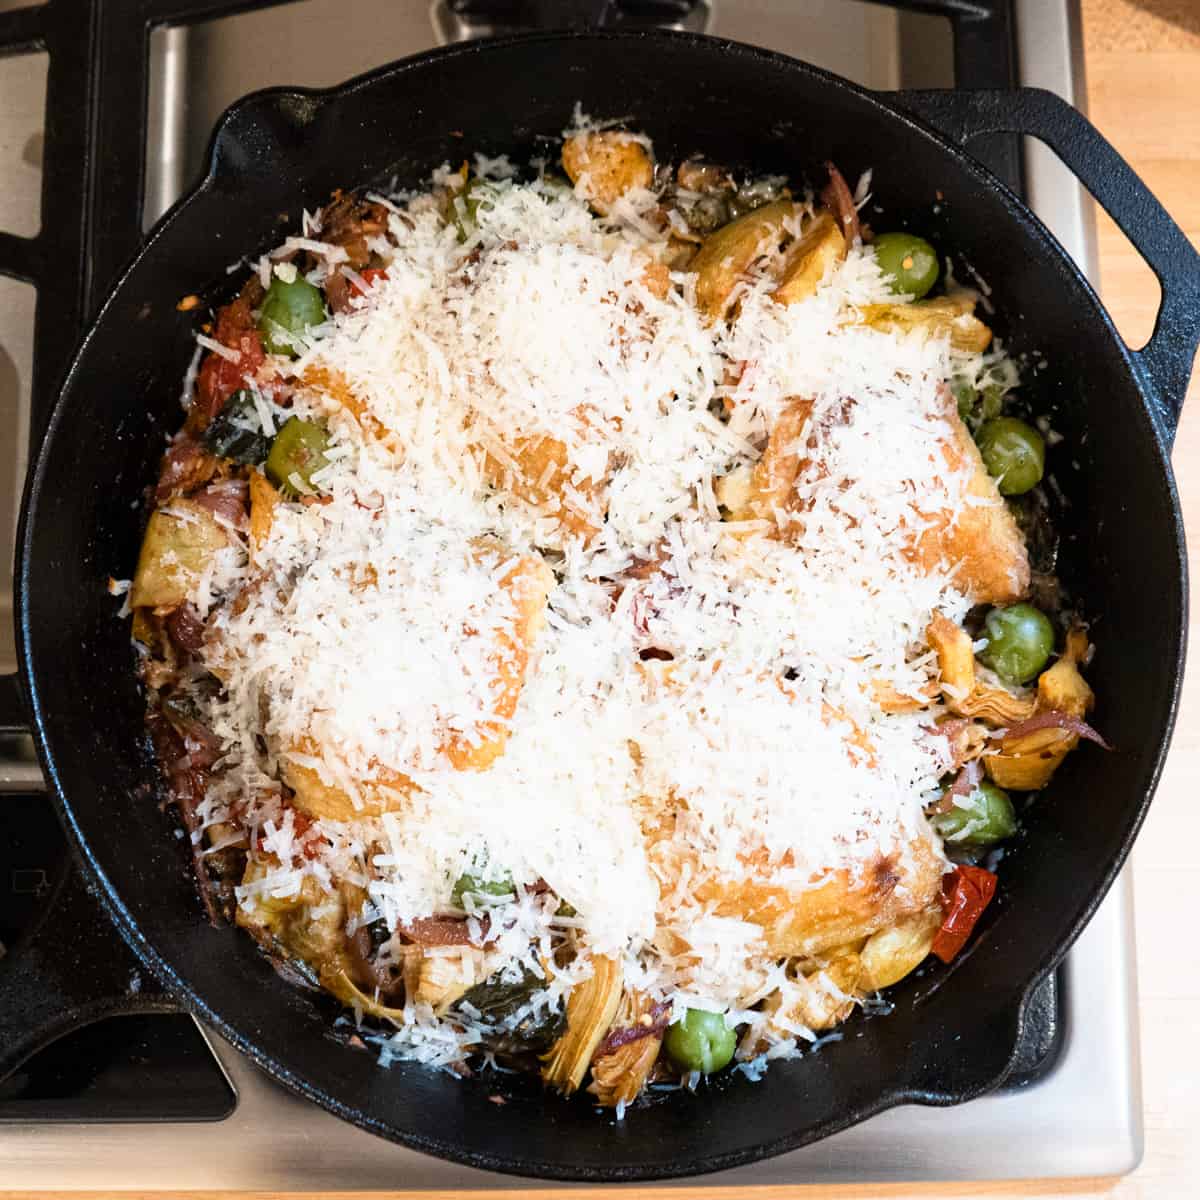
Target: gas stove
[(152, 1100)]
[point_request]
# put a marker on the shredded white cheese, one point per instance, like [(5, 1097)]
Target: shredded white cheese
[(369, 631)]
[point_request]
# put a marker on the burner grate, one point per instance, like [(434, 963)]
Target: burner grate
[(96, 125)]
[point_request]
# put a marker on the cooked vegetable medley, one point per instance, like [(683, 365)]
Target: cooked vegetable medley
[(584, 621)]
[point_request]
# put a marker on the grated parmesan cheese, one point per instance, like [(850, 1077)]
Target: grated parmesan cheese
[(370, 632)]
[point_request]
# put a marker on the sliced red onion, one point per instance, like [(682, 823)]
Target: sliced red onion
[(837, 197), (443, 931), (185, 628), (1056, 719), (616, 1038), (226, 501), (968, 779)]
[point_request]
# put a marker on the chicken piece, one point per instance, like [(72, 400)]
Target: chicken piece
[(528, 582), (982, 538), (336, 389), (604, 166), (769, 491), (264, 499), (891, 700), (656, 277), (318, 797), (538, 470), (806, 922), (313, 777)]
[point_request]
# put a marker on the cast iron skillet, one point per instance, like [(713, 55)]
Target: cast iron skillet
[(953, 1032)]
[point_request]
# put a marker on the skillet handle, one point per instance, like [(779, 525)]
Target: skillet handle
[(1164, 364), (71, 969)]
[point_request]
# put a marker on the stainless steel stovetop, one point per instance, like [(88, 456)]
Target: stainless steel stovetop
[(1080, 1115)]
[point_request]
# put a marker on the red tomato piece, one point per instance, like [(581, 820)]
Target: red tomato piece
[(966, 892), (220, 377)]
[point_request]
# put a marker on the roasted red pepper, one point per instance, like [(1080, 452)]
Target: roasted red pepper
[(966, 892), (368, 277)]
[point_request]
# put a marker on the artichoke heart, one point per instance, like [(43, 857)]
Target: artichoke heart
[(726, 254), (443, 979), (180, 542), (351, 995), (828, 994), (819, 248), (893, 953), (619, 1076), (591, 1009), (965, 695), (1061, 688), (1027, 760), (820, 999), (950, 316), (307, 928)]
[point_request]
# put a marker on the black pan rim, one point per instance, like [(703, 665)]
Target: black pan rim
[(225, 130)]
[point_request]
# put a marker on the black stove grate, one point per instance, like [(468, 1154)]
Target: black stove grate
[(96, 127)]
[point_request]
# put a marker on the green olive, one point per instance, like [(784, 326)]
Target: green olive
[(1014, 454), (298, 450), (965, 397), (983, 817), (482, 891), (1020, 640), (289, 311), (464, 205), (975, 405), (710, 212), (700, 1042), (911, 262)]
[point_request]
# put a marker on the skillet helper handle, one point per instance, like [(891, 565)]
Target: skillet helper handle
[(71, 969), (1164, 364)]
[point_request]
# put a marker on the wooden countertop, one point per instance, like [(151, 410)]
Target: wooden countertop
[(1143, 64)]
